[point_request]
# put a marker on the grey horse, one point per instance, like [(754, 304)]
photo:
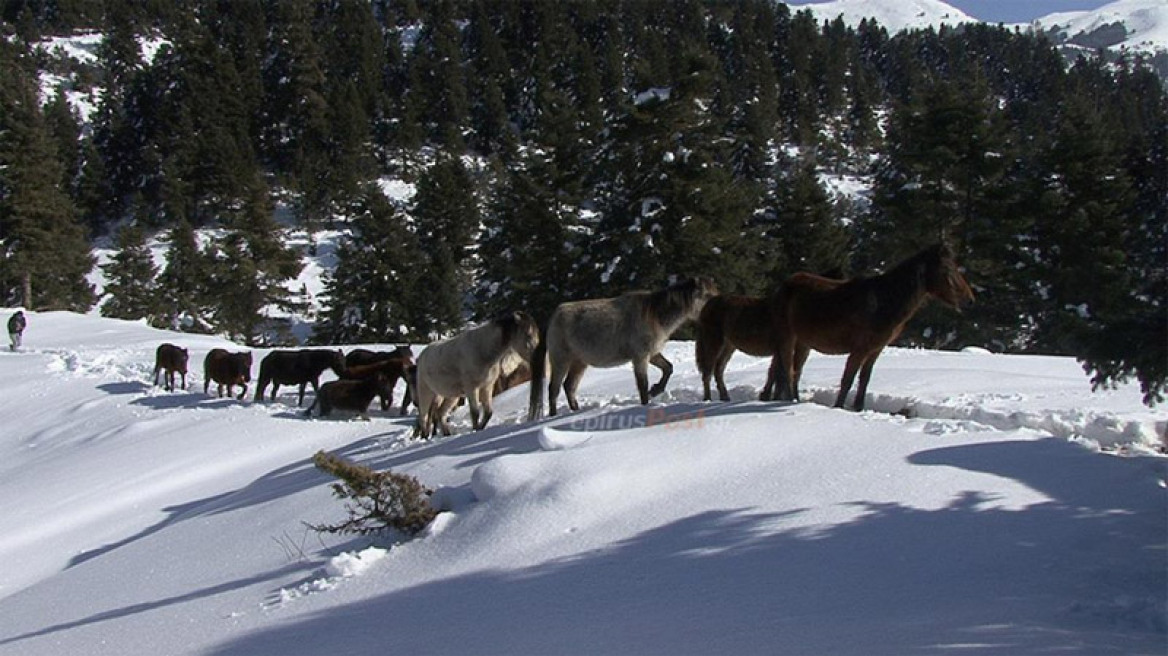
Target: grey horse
[(609, 332)]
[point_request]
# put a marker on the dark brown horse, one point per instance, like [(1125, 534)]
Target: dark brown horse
[(228, 369), (302, 367), (389, 368), (732, 323), (170, 359), (402, 357), (858, 317), (352, 394)]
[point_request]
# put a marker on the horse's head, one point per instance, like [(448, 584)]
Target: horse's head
[(337, 363), (520, 333), (943, 278), (703, 288)]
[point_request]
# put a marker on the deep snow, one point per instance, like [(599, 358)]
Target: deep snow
[(984, 517)]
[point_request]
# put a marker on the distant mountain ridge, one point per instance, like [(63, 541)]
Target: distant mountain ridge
[(1123, 26), (894, 15), (1140, 25)]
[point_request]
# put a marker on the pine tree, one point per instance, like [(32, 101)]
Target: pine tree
[(131, 289), (185, 283), (812, 238), (530, 248), (374, 293), (447, 217), (251, 268), (45, 257)]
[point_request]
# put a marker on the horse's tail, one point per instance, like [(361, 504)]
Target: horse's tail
[(709, 339), (538, 369)]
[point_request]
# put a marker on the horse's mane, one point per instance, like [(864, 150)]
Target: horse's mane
[(667, 304), (510, 323)]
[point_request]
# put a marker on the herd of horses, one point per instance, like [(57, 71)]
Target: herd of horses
[(857, 317)]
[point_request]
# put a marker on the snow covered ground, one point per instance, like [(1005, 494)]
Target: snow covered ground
[(988, 504)]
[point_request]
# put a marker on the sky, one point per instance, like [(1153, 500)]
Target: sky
[(1019, 11)]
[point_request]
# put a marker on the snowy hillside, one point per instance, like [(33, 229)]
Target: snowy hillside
[(1140, 25), (988, 503), (894, 16)]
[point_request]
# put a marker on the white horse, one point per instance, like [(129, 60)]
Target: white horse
[(609, 332), (468, 365)]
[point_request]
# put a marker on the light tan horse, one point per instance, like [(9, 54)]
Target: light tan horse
[(468, 365), (609, 332), (858, 317)]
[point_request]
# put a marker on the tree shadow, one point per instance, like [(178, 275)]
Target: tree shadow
[(145, 607), (973, 576), (126, 387)]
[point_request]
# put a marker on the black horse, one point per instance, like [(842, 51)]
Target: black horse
[(302, 367)]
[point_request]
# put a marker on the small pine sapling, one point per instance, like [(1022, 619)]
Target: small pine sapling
[(376, 501)]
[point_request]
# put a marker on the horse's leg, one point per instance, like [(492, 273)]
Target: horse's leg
[(707, 362), (720, 363), (406, 399), (666, 368), (423, 425), (443, 418), (559, 372), (641, 374), (572, 383), (850, 369), (865, 376), (473, 400), (486, 401), (796, 369), (776, 382)]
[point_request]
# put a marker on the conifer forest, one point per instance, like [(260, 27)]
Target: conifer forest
[(568, 150)]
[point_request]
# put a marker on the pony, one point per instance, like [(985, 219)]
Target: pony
[(302, 367), (228, 369), (730, 323), (391, 369), (352, 394), (608, 332), (513, 372), (858, 317), (170, 359), (394, 363), (468, 365)]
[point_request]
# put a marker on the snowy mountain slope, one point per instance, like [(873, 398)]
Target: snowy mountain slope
[(145, 522), (1140, 25), (894, 15)]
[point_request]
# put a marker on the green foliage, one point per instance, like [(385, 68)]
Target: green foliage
[(564, 150), (131, 288), (376, 502), (374, 294), (44, 254)]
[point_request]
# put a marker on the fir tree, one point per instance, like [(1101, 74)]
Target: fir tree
[(185, 283), (131, 289), (530, 247), (374, 293), (45, 257), (252, 266), (447, 217)]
